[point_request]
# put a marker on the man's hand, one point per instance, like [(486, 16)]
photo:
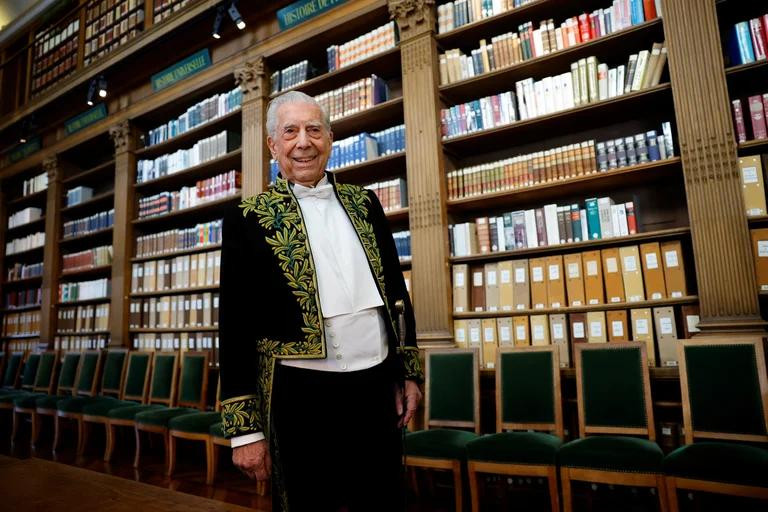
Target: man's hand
[(253, 459), (412, 399)]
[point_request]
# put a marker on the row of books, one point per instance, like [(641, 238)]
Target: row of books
[(561, 163), (55, 55), (202, 151), (115, 35), (660, 327), (528, 43), (181, 272), (354, 97), (758, 107), (164, 8), (84, 290), (198, 114), (95, 222), (21, 324), (552, 224), (452, 15), (402, 244), (102, 15), (175, 311), (293, 75), (392, 194), (79, 343), (83, 319), (96, 257), (211, 189), (24, 345), (651, 271), (24, 271), (178, 341), (24, 298), (371, 43), (587, 82), (366, 146), (25, 243), (35, 184), (174, 240), (25, 216), (747, 41), (78, 195), (48, 43)]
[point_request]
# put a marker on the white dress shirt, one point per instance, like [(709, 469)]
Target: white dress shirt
[(354, 324)]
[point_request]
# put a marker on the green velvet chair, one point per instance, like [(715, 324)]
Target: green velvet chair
[(192, 392), (725, 404), (527, 399), (87, 380), (45, 381), (452, 399), (46, 405), (613, 392), (133, 391), (28, 375), (162, 392), (11, 372)]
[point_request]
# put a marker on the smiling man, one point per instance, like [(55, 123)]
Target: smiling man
[(315, 385)]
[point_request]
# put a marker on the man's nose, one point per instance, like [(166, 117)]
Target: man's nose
[(303, 139)]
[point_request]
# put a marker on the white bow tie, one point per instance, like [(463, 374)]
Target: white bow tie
[(319, 192)]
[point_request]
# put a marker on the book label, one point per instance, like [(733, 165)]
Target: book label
[(665, 325), (538, 332), (520, 275), (762, 248), (592, 271), (611, 265), (749, 175), (537, 274), (617, 327), (505, 276), (578, 330), (671, 258), (557, 330), (596, 329), (520, 329), (630, 265), (474, 335), (504, 334), (488, 334), (651, 261)]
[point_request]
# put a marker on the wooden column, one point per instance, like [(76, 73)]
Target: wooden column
[(51, 253), (425, 172), (125, 137), (252, 78), (721, 241)]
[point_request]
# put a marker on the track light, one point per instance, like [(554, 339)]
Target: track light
[(22, 140), (91, 92), (217, 22), (27, 129), (235, 15), (102, 87)]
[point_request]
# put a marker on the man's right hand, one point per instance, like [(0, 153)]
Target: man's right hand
[(253, 459)]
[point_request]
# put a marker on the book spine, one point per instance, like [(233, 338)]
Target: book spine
[(758, 117), (738, 119)]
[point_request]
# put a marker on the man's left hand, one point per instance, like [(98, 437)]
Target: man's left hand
[(412, 399)]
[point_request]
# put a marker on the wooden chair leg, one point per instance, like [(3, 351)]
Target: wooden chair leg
[(210, 463), (661, 489), (671, 485), (16, 422), (170, 443), (565, 483), (554, 495), (83, 429), (414, 480), (138, 447), (458, 488), (473, 490), (167, 446), (56, 432), (109, 447), (35, 429)]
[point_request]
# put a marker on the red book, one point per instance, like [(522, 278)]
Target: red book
[(584, 34), (758, 117), (496, 109), (631, 217), (594, 26), (738, 121), (758, 38), (649, 7), (764, 23)]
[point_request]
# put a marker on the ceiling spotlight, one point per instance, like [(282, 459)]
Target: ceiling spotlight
[(217, 22), (91, 92), (235, 15), (102, 87), (22, 140)]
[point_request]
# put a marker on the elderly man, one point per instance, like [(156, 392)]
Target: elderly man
[(312, 369)]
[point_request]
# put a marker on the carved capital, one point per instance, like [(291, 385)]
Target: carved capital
[(250, 77), (414, 17), (51, 167), (120, 135)]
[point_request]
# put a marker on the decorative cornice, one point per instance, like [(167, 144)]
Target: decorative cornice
[(51, 167), (414, 17), (120, 135), (250, 77)]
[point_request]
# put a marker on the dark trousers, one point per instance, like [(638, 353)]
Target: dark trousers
[(338, 441)]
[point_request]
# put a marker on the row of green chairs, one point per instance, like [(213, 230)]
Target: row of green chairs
[(725, 401)]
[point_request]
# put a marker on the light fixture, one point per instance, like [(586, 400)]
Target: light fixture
[(235, 15), (217, 22), (102, 87), (91, 92), (27, 129), (22, 140)]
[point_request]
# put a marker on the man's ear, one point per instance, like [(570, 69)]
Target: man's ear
[(330, 136), (271, 145)]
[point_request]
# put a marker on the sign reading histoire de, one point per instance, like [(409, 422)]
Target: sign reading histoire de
[(181, 70), (22, 151), (303, 10), (86, 118)]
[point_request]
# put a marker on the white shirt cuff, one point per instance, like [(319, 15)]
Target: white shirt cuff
[(238, 441)]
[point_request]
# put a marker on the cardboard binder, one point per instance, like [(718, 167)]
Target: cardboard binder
[(520, 331), (460, 288), (689, 314), (491, 287), (666, 334), (489, 343), (460, 333), (539, 330), (593, 277), (614, 283), (555, 282), (578, 327), (653, 273), (642, 331), (506, 285), (574, 280), (521, 285), (752, 185), (558, 331), (504, 331), (631, 273), (760, 254), (596, 327), (477, 283), (475, 337), (538, 272), (674, 269), (616, 323)]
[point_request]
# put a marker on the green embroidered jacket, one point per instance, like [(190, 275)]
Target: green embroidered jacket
[(269, 303)]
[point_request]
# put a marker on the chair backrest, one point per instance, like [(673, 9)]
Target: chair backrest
[(528, 389), (45, 379), (162, 388), (30, 371), (613, 389), (193, 383), (114, 372), (136, 383), (87, 373), (452, 397), (68, 373), (12, 369), (724, 389)]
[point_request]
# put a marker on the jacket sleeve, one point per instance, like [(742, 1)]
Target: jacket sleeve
[(396, 289)]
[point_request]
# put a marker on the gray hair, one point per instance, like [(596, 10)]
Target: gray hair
[(292, 97)]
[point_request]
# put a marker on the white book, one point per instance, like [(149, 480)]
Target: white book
[(500, 233), (530, 98), (621, 213), (620, 80), (548, 92), (584, 228), (530, 229), (658, 8), (539, 98), (459, 240), (567, 90), (602, 81), (612, 82), (631, 67), (615, 226), (521, 104), (642, 65), (601, 20), (538, 44), (604, 213), (559, 39), (550, 222)]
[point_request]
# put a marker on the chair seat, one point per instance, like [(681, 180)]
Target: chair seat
[(217, 430), (129, 413), (438, 443), (77, 403), (612, 453), (49, 401), (161, 417), (12, 397), (515, 448), (102, 407), (28, 401), (199, 423), (719, 462)]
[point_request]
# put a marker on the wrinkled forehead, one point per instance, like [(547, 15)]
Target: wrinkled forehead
[(299, 113)]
